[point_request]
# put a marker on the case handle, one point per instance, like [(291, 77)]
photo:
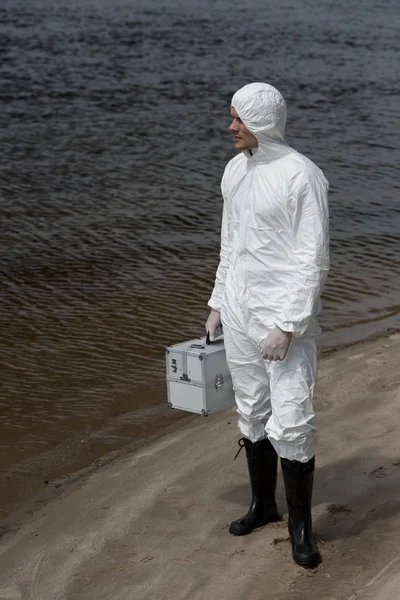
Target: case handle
[(209, 342)]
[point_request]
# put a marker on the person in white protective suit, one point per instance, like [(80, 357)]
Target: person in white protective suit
[(273, 263)]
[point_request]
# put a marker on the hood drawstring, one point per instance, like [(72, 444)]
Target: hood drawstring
[(242, 444)]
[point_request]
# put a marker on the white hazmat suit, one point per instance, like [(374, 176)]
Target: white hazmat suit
[(273, 263)]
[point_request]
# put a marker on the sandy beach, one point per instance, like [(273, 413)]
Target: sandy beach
[(153, 524)]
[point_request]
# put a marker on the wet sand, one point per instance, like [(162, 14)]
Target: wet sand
[(152, 524)]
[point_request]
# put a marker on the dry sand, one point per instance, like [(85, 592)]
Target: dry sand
[(152, 525)]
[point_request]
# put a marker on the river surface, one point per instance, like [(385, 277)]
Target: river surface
[(114, 135)]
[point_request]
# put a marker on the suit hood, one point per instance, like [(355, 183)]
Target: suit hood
[(262, 109)]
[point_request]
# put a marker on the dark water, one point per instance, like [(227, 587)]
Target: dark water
[(114, 119)]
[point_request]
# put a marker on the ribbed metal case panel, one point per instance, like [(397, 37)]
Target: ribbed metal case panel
[(198, 378)]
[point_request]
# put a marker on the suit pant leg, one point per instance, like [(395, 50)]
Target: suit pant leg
[(250, 383)]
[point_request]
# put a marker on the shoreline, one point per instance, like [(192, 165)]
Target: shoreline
[(54, 488), (47, 489), (152, 522)]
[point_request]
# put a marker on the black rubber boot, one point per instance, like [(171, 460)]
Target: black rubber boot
[(299, 480), (262, 462)]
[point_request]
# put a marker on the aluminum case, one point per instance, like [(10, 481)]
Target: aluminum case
[(198, 378)]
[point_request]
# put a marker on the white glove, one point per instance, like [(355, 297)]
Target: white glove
[(213, 322), (277, 344)]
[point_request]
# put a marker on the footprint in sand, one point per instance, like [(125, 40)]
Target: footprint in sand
[(338, 508), (371, 431), (10, 592), (380, 472)]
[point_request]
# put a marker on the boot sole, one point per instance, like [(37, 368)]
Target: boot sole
[(309, 564), (238, 534), (232, 530)]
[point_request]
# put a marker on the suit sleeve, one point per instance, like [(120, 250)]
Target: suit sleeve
[(225, 251), (309, 198)]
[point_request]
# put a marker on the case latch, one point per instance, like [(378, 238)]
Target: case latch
[(219, 382)]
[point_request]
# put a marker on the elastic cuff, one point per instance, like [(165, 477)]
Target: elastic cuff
[(214, 304), (251, 429), (290, 327), (301, 453)]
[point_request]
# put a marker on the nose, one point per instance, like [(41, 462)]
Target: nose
[(233, 126)]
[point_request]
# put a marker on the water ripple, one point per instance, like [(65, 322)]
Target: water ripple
[(114, 118)]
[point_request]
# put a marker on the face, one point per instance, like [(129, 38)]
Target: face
[(244, 140)]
